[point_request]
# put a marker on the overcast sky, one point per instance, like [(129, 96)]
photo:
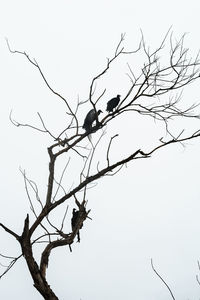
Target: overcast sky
[(151, 208)]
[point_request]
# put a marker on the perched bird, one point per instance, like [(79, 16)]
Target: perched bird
[(74, 220), (91, 116), (113, 103)]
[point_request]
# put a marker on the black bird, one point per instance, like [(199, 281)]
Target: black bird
[(74, 220), (91, 116), (113, 103)]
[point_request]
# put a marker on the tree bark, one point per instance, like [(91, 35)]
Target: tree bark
[(39, 280)]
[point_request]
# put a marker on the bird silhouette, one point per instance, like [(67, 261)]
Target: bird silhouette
[(74, 222), (91, 116), (113, 103)]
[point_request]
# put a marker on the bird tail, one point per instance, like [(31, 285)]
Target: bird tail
[(90, 138)]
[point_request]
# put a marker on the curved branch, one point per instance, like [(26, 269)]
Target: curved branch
[(11, 264), (107, 155), (34, 62), (17, 124), (139, 154), (10, 231), (162, 280)]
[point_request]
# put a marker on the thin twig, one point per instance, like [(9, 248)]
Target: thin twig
[(109, 147), (162, 280)]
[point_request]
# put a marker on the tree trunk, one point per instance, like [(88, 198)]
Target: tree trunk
[(39, 280)]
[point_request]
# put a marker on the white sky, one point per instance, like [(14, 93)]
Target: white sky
[(150, 209)]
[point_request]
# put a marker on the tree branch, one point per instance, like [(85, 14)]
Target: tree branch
[(162, 280), (10, 231)]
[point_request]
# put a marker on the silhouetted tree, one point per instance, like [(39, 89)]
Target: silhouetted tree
[(154, 80)]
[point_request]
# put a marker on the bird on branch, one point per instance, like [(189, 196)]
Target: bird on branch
[(91, 116), (74, 222), (113, 103)]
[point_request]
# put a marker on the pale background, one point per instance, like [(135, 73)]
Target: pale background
[(150, 209)]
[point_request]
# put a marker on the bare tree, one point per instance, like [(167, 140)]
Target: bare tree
[(153, 92)]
